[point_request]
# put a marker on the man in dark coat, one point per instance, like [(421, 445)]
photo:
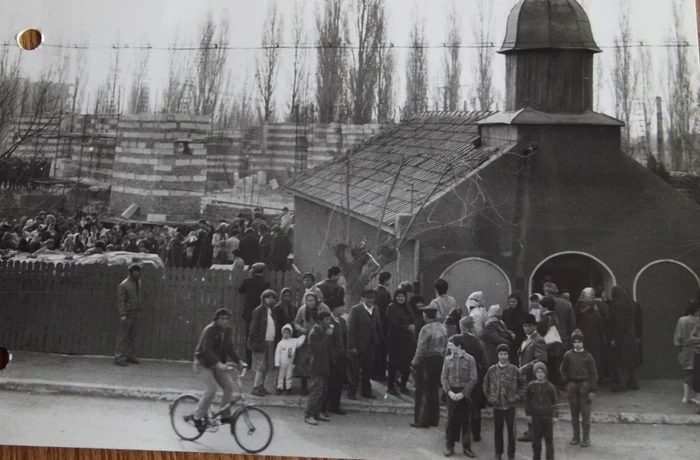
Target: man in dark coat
[(364, 338), (474, 347), (250, 247), (339, 361), (624, 338), (129, 307), (564, 312), (382, 301), (265, 244), (333, 293), (427, 363), (252, 288), (532, 351), (280, 248), (320, 344)]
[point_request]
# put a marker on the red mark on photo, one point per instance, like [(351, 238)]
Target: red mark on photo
[(5, 358)]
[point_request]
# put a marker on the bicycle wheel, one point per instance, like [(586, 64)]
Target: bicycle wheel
[(252, 429), (181, 411)]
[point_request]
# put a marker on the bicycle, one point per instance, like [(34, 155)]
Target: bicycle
[(241, 418)]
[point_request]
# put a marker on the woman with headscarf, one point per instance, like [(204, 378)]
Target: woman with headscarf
[(400, 343), (591, 323), (475, 304), (686, 348), (514, 317), (554, 350), (495, 333), (306, 319), (623, 338)]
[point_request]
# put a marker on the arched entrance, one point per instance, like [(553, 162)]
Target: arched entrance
[(476, 274), (663, 288), (573, 271)]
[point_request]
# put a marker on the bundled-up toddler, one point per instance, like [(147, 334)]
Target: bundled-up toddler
[(284, 359), (541, 410)]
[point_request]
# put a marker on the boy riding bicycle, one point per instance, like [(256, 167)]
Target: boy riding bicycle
[(214, 351)]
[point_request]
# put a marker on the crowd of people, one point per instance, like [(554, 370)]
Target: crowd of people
[(246, 240), (467, 357), (16, 172)]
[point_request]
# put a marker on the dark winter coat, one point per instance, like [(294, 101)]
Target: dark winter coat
[(622, 330), (265, 248), (215, 346), (382, 300), (280, 248), (364, 330), (339, 339), (250, 249), (320, 344), (592, 325), (495, 333), (333, 293), (258, 328), (541, 399), (400, 342), (514, 319), (253, 288)]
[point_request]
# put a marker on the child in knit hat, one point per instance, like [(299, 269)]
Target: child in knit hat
[(579, 373), (503, 386), (284, 359), (541, 410)]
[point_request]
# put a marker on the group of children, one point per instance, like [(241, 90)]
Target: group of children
[(505, 385)]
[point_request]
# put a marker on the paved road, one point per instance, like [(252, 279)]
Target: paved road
[(69, 421)]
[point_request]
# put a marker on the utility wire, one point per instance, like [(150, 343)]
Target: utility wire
[(346, 46)]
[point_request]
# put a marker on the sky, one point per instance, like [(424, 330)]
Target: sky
[(157, 22)]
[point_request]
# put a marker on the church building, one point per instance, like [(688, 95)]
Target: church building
[(498, 202)]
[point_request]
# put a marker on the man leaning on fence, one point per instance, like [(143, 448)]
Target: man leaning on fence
[(129, 306)]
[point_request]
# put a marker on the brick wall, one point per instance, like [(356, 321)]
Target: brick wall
[(281, 150), (152, 169)]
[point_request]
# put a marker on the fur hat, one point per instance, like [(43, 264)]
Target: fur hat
[(577, 335), (503, 347), (539, 365)]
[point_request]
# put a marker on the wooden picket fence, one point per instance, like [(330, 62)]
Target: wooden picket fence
[(71, 309)]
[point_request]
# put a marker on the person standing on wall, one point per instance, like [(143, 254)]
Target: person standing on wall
[(129, 306), (364, 338), (382, 301)]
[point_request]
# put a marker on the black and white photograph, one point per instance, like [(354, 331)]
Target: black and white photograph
[(370, 229)]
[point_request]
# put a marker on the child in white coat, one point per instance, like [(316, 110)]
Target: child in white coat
[(284, 359)]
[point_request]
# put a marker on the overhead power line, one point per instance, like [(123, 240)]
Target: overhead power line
[(344, 46)]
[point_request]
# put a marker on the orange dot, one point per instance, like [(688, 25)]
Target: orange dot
[(30, 39)]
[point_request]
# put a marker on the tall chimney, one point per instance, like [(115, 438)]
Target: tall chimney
[(660, 131)]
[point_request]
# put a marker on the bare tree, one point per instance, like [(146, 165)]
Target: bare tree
[(300, 68), (174, 92), (644, 69), (681, 100), (138, 96), (369, 20), (269, 61), (209, 70), (30, 109), (624, 77), (416, 72), (386, 74), (452, 65), (483, 28), (80, 76), (331, 25)]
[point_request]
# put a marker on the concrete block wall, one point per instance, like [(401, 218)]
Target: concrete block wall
[(151, 169), (272, 148)]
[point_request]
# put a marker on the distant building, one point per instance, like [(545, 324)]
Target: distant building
[(500, 201)]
